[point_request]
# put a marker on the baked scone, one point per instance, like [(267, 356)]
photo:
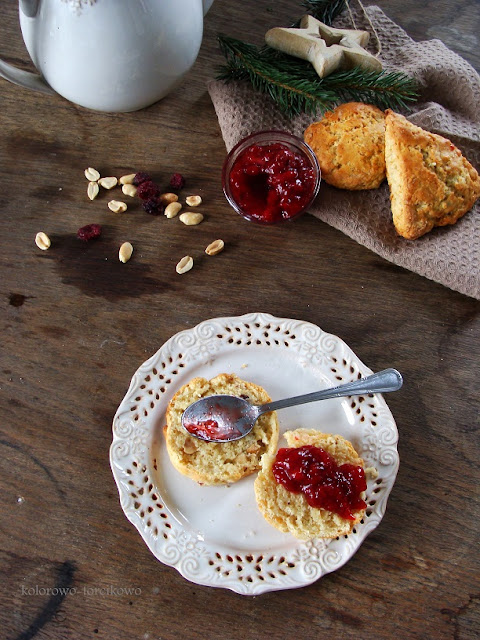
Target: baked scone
[(349, 143), (290, 512), (431, 183), (213, 463)]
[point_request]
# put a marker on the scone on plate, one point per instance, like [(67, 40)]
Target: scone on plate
[(212, 463), (301, 463), (431, 183), (349, 143)]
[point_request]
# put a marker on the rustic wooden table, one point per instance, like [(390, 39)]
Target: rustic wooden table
[(76, 324)]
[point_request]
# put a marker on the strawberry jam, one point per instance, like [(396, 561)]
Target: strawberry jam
[(272, 182), (314, 472), (208, 429)]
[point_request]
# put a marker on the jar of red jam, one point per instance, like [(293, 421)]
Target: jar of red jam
[(271, 177)]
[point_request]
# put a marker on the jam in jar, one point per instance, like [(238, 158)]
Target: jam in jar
[(314, 472), (271, 177)]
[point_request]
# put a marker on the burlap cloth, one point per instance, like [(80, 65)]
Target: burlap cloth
[(449, 105)]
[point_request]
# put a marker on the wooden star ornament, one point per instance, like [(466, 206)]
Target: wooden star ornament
[(326, 48)]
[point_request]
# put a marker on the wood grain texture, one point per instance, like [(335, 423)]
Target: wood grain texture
[(76, 324)]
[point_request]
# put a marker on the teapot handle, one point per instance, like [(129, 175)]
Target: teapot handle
[(25, 78)]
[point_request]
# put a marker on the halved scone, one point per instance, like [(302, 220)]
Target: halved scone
[(291, 512), (212, 463)]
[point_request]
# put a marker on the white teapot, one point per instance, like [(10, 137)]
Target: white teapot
[(109, 55)]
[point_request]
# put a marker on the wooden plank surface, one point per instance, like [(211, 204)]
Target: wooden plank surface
[(76, 324)]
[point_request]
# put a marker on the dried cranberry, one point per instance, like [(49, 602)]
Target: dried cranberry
[(153, 206), (177, 181), (140, 177), (147, 190), (89, 232)]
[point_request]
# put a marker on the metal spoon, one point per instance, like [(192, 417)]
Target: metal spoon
[(223, 418)]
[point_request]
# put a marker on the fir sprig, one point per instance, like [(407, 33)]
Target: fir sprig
[(324, 10), (290, 90), (386, 89), (295, 87)]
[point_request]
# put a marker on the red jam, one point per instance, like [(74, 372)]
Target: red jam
[(209, 429), (313, 471), (271, 183)]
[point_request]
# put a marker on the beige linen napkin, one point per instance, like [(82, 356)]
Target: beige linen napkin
[(449, 105)]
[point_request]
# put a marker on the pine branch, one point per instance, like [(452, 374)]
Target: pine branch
[(386, 89), (291, 91), (295, 87), (324, 10)]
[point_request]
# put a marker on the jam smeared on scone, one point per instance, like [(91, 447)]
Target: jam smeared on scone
[(291, 512), (325, 484)]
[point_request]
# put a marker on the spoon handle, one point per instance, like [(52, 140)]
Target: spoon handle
[(381, 382)]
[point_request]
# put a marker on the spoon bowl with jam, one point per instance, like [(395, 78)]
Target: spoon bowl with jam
[(223, 418)]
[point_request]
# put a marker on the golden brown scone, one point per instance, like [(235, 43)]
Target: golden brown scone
[(290, 512), (349, 143), (431, 183), (224, 462)]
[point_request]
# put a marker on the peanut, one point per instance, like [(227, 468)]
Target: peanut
[(125, 252), (185, 264), (108, 183), (128, 179), (92, 190), (253, 448), (117, 206), (189, 446), (215, 247), (190, 218), (92, 174), (193, 201), (42, 241), (172, 209), (371, 472), (129, 190), (167, 198)]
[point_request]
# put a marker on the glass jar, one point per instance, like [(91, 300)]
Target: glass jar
[(271, 177)]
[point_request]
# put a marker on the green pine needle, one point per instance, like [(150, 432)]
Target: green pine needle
[(291, 91), (295, 87), (324, 10), (386, 89)]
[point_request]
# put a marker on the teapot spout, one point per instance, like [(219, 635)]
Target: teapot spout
[(29, 7)]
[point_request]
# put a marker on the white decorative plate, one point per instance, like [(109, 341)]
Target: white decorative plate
[(216, 536)]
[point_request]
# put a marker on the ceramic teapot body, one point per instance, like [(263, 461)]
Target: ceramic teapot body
[(109, 55)]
